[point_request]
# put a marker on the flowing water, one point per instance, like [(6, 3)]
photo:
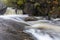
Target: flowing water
[(44, 34), (37, 33), (11, 11)]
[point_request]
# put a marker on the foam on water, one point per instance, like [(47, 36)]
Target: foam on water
[(50, 30), (13, 16), (37, 34), (18, 18)]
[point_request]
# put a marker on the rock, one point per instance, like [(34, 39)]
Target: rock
[(12, 30), (3, 8), (31, 19)]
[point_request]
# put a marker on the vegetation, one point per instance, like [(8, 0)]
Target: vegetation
[(50, 8), (14, 3)]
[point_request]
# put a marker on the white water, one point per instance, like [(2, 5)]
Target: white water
[(49, 31), (37, 34), (17, 18), (11, 11), (41, 35)]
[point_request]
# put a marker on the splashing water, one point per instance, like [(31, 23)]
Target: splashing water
[(11, 11), (37, 34), (44, 34), (18, 18)]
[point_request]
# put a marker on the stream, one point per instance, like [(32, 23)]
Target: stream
[(37, 33)]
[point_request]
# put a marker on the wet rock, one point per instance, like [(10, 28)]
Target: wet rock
[(3, 8), (31, 19), (12, 30)]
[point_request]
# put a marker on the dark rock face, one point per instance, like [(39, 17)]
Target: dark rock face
[(3, 8), (12, 30), (29, 9)]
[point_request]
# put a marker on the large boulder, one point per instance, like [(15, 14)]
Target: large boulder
[(3, 8), (12, 30)]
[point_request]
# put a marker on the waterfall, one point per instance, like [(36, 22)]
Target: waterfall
[(11, 11)]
